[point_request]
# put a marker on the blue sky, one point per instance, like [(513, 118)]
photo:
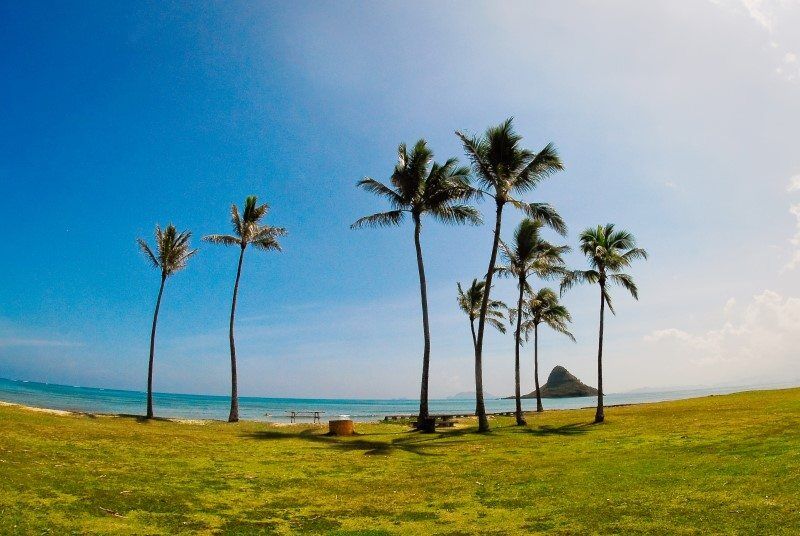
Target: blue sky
[(678, 121)]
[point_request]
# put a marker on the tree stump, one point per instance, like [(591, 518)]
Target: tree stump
[(342, 427)]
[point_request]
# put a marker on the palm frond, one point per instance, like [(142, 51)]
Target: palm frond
[(225, 240), (545, 163), (576, 277), (626, 282), (148, 253), (381, 219), (560, 327), (607, 299), (476, 149), (544, 213), (496, 324), (457, 214), (378, 188)]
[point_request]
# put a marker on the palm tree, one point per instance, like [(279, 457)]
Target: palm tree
[(470, 301), (419, 187), (247, 230), (543, 306), (609, 252), (528, 255), (172, 253), (505, 169)]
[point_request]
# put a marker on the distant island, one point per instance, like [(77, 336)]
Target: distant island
[(470, 395), (563, 384)]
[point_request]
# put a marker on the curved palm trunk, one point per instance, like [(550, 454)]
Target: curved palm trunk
[(153, 351), (480, 408), (426, 352), (539, 407), (234, 414), (599, 415), (517, 333)]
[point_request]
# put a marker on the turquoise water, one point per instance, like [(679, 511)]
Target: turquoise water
[(95, 400)]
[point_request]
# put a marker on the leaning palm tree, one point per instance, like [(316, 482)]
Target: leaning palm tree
[(470, 301), (609, 252), (528, 255), (422, 187), (543, 306), (505, 169), (248, 230), (171, 255)]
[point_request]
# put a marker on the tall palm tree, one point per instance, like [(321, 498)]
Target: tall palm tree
[(470, 301), (528, 255), (248, 230), (171, 255), (505, 169), (422, 187), (609, 252), (543, 306)]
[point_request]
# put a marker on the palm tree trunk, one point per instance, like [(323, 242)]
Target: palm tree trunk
[(426, 352), (480, 408), (472, 328), (474, 348), (599, 415), (153, 350), (234, 414), (517, 333), (539, 407)]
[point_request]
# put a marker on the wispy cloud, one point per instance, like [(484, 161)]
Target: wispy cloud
[(765, 331), (15, 341), (768, 14), (794, 261)]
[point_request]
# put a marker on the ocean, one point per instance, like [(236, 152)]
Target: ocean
[(185, 406)]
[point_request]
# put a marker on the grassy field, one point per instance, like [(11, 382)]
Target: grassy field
[(722, 464)]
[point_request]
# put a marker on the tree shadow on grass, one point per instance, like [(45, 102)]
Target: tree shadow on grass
[(563, 430), (141, 418), (414, 443)]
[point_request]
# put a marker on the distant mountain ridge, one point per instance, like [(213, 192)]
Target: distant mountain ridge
[(563, 384)]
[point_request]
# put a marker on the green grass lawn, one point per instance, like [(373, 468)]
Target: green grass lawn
[(721, 464)]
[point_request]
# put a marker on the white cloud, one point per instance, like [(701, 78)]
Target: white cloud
[(768, 15), (756, 342), (758, 11), (794, 262), (794, 184)]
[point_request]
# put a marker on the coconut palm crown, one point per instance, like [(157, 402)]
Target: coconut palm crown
[(544, 307), (609, 252), (528, 255), (171, 255), (172, 250), (504, 170), (420, 186), (469, 301), (247, 230)]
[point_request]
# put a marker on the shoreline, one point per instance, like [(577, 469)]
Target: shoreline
[(76, 413)]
